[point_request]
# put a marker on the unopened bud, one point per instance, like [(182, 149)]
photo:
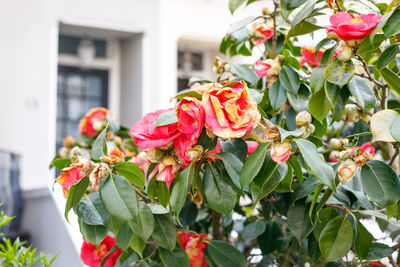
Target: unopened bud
[(334, 156), (118, 141), (280, 152), (197, 197), (195, 152), (335, 144), (347, 170), (345, 141), (169, 160), (265, 11), (352, 112), (105, 159), (227, 68), (154, 155), (280, 59), (68, 141), (344, 52), (332, 35), (303, 119), (307, 132), (343, 155), (354, 43), (275, 67)]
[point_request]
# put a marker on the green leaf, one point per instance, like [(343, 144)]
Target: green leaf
[(99, 147), (380, 25), (305, 188), (318, 166), (339, 72), (319, 105), (253, 230), (315, 198), (331, 92), (162, 192), (188, 93), (177, 257), (93, 233), (362, 92), (395, 129), (61, 163), (119, 197), (276, 175), (381, 123), (392, 79), (392, 25), (289, 79), (269, 240), (166, 118), (295, 164), (132, 172), (388, 55), (91, 210), (235, 4), (75, 195), (340, 103), (295, 133), (336, 239), (302, 28), (164, 232), (218, 192), (380, 182), (124, 236), (304, 12), (246, 73), (298, 221), (143, 224), (363, 241), (233, 166), (277, 95), (138, 245), (237, 147), (252, 165), (224, 254), (179, 192), (205, 141), (317, 79), (300, 101), (256, 95), (378, 251), (323, 217)]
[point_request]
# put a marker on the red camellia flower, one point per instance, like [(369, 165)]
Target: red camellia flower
[(262, 68), (231, 112), (93, 256), (194, 247), (93, 121), (368, 150), (146, 135), (348, 27), (308, 56), (69, 176), (374, 264), (262, 31)]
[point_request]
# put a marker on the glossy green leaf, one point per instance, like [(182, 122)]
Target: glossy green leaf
[(124, 236), (93, 233), (277, 95), (295, 164), (91, 210), (233, 166), (253, 230), (246, 73), (323, 217), (205, 141), (166, 118), (319, 105), (274, 177), (317, 79), (295, 133), (138, 245), (177, 257), (388, 55), (252, 165), (237, 147), (235, 4), (304, 12), (300, 101), (162, 192), (340, 103), (392, 25), (318, 166), (392, 79), (395, 129), (119, 197), (380, 182), (224, 254), (164, 232), (132, 172), (60, 163), (302, 28), (143, 224), (218, 192), (364, 94), (363, 240), (336, 239), (99, 147), (289, 79), (75, 195), (299, 222), (188, 93), (339, 72), (179, 192), (378, 251), (317, 192)]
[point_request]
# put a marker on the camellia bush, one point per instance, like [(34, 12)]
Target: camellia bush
[(277, 163)]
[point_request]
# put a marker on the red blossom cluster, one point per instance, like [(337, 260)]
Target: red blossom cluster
[(194, 245), (93, 256)]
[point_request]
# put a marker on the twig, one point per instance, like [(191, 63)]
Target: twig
[(337, 5), (339, 207), (148, 257), (359, 106), (216, 223), (394, 264), (381, 85), (144, 197), (396, 153), (362, 75)]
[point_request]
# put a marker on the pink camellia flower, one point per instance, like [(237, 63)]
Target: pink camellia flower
[(94, 121), (348, 27), (261, 30), (231, 112), (93, 256), (146, 135), (211, 155), (194, 246), (308, 56), (251, 146), (194, 85), (280, 152), (142, 161), (368, 150), (70, 175), (191, 115), (262, 68), (166, 173)]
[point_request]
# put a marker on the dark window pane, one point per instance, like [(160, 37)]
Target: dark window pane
[(93, 86), (69, 45), (181, 59), (74, 85), (182, 83), (197, 61)]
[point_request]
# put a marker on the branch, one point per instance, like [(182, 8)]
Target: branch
[(144, 197), (396, 153), (381, 85), (337, 5), (148, 257), (339, 207), (216, 222), (394, 264)]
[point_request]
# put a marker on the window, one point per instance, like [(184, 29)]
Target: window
[(190, 64), (78, 91)]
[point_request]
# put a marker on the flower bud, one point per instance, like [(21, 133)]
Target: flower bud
[(334, 156), (264, 131), (347, 170), (227, 68), (280, 152), (354, 43), (343, 155), (195, 152), (303, 119), (169, 160), (332, 35), (345, 141), (265, 11), (352, 113), (360, 160), (98, 125), (105, 159), (196, 197), (344, 52), (307, 132), (75, 153), (99, 172), (118, 141), (154, 155), (68, 141), (335, 144), (275, 67), (311, 127)]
